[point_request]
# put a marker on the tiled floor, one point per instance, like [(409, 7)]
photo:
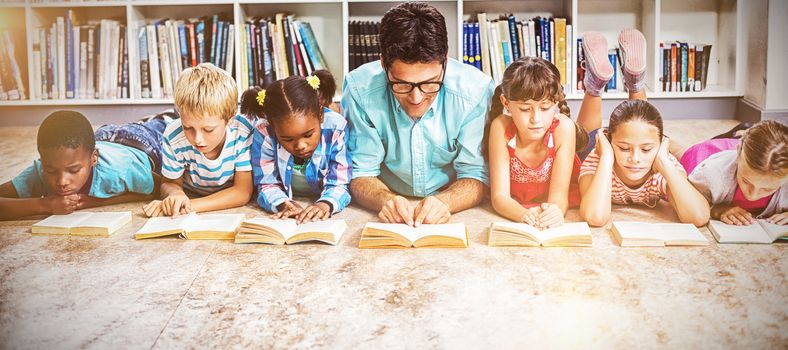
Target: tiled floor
[(71, 292)]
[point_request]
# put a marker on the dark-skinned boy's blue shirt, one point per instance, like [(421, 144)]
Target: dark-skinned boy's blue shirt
[(120, 169), (417, 157)]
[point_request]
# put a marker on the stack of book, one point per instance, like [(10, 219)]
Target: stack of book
[(363, 42), (11, 86), (276, 48), (166, 47), (491, 45), (72, 61), (684, 67)]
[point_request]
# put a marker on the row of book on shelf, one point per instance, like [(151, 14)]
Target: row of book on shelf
[(363, 42), (381, 235), (684, 67), (492, 44), (91, 60), (72, 61), (11, 86)]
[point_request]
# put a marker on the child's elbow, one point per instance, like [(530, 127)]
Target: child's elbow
[(699, 219), (595, 219)]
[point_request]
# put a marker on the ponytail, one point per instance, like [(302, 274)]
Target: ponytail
[(289, 96)]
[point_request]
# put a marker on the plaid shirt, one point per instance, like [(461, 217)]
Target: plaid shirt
[(328, 171)]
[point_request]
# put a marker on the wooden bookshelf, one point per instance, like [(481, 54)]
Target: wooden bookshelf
[(703, 21)]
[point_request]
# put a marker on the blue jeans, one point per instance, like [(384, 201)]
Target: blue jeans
[(591, 144), (145, 136)]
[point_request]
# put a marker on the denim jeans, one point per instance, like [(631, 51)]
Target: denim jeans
[(591, 144), (145, 136)]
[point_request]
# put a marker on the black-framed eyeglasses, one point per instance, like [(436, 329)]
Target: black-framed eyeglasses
[(427, 87)]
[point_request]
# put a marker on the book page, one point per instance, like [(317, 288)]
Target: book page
[(66, 221), (568, 229), (725, 233), (335, 227), (774, 231), (285, 227), (636, 230), (674, 232), (214, 223), (106, 219), (449, 230), (401, 229), (515, 227), (166, 224)]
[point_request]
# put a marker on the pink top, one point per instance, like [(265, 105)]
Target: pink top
[(699, 152)]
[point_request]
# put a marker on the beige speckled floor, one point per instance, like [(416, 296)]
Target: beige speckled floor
[(70, 292)]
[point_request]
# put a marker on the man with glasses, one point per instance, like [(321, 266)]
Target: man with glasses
[(417, 122)]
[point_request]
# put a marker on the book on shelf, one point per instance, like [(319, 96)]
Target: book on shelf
[(644, 234), (363, 42), (83, 223), (491, 44), (11, 86), (167, 46), (78, 59), (503, 234), (287, 231), (760, 231), (276, 47), (192, 226), (381, 235), (684, 67)]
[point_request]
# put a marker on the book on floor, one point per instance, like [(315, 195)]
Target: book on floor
[(760, 231), (273, 231), (574, 234), (381, 235), (83, 223), (644, 234), (192, 226)]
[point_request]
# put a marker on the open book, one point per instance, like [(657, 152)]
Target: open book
[(380, 235), (83, 223), (273, 231), (192, 226), (761, 231), (644, 234), (574, 234)]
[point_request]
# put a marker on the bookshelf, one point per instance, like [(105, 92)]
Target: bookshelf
[(713, 22)]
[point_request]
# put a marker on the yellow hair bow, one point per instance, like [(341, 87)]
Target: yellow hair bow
[(261, 97), (313, 81)]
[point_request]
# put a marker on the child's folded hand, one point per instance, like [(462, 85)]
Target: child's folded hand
[(152, 209), (314, 212), (551, 216), (60, 205), (531, 216), (288, 209)]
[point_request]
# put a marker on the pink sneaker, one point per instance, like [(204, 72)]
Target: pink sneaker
[(633, 55), (598, 68)]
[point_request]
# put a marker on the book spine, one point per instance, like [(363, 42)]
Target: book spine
[(310, 36), (483, 37), (684, 53), (200, 30), (612, 56), (69, 49), (705, 68), (673, 85), (698, 67), (560, 47), (269, 59), (513, 39), (229, 57), (691, 68), (477, 46), (35, 85), (193, 57), (212, 49), (153, 62), (83, 63), (298, 60), (144, 68), (183, 40)]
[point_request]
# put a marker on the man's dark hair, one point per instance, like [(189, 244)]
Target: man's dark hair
[(68, 129), (413, 32)]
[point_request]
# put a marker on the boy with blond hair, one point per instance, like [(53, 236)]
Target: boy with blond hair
[(206, 152)]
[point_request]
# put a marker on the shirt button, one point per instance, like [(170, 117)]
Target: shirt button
[(288, 167)]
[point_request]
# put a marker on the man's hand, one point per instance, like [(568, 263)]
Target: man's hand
[(397, 210), (432, 210)]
